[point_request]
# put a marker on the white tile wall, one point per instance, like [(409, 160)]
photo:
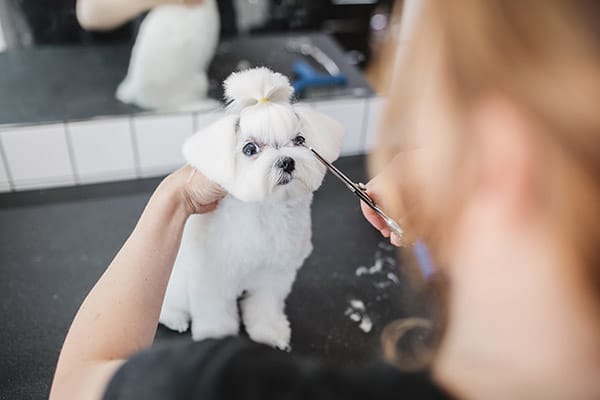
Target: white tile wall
[(138, 146), (374, 114), (4, 180), (102, 150), (38, 156), (202, 120), (159, 139), (351, 113)]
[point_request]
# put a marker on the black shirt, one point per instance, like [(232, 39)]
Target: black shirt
[(236, 368)]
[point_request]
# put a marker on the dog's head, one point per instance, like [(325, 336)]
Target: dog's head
[(256, 151)]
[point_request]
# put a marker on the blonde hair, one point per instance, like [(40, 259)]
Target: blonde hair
[(541, 55)]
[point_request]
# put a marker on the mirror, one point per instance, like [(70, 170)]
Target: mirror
[(65, 60), (104, 90)]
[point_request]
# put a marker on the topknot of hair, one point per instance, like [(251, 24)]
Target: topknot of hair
[(255, 86)]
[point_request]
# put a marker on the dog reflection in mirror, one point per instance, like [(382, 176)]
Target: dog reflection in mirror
[(259, 236), (172, 52)]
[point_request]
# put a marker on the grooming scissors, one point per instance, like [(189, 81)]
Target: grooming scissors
[(360, 190)]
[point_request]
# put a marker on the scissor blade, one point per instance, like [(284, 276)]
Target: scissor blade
[(339, 174), (358, 191), (353, 187)]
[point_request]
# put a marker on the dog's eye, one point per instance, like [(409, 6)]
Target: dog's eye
[(298, 140), (250, 149)]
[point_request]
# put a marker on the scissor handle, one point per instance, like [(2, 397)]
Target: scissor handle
[(361, 192)]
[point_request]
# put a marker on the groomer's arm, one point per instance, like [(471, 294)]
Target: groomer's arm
[(108, 14), (120, 315)]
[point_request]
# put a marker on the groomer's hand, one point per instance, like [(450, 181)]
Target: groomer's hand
[(375, 190), (197, 193)]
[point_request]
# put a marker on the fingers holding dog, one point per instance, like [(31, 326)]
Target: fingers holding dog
[(198, 193)]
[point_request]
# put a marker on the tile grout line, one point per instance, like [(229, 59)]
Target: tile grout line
[(194, 123), (9, 175), (71, 152), (135, 147)]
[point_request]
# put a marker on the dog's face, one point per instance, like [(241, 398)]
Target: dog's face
[(258, 155)]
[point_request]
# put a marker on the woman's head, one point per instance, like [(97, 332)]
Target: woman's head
[(494, 104)]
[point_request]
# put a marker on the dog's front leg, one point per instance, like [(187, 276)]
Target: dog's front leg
[(213, 306), (263, 309)]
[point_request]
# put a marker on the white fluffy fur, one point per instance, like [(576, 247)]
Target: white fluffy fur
[(168, 63), (260, 234), (249, 87)]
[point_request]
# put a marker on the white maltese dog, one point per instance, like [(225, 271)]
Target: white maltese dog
[(253, 244), (172, 51)]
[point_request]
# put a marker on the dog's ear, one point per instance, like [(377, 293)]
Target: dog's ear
[(321, 132), (212, 150)]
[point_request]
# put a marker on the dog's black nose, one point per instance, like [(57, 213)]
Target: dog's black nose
[(287, 164)]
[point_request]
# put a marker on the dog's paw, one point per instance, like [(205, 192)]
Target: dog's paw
[(211, 329), (175, 320), (275, 332)]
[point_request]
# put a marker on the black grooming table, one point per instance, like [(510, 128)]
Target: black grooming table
[(54, 244)]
